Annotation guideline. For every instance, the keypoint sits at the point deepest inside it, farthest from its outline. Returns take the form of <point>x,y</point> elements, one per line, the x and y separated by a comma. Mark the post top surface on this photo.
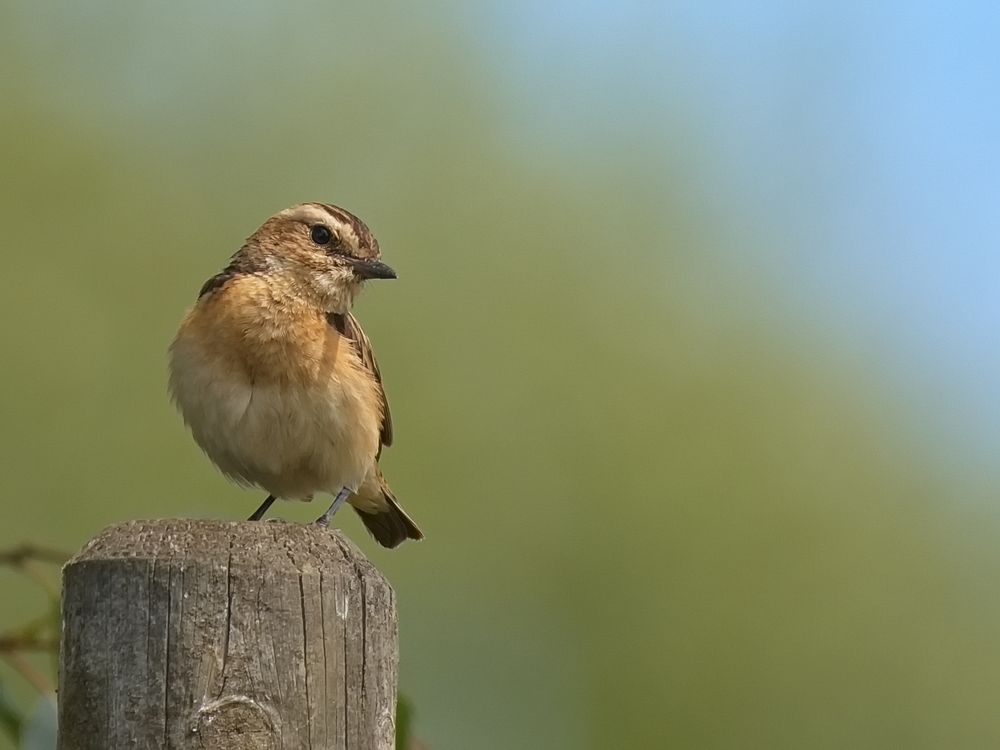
<point>281,545</point>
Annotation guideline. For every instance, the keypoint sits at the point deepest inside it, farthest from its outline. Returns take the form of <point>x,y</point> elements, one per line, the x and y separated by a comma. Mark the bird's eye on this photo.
<point>321,235</point>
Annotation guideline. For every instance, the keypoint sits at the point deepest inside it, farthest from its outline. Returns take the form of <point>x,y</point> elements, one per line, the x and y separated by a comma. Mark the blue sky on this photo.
<point>863,138</point>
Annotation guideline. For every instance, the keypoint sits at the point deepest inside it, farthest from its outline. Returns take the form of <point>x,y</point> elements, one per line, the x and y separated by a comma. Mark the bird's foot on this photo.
<point>324,520</point>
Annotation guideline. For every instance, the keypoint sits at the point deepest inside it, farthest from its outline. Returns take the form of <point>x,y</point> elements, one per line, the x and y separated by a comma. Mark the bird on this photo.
<point>275,377</point>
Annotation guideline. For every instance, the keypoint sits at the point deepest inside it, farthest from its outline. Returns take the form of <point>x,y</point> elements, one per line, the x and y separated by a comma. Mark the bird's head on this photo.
<point>324,252</point>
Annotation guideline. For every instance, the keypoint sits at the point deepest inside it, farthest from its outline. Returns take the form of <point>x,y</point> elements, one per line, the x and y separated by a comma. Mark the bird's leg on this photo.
<point>259,513</point>
<point>324,520</point>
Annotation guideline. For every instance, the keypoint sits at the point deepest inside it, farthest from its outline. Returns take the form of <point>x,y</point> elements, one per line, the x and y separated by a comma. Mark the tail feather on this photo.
<point>390,526</point>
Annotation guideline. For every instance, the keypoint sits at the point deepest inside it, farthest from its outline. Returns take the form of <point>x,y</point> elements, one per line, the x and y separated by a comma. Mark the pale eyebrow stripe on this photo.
<point>361,230</point>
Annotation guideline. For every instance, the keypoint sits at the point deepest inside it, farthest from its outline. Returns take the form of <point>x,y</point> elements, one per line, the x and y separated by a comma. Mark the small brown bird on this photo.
<point>276,378</point>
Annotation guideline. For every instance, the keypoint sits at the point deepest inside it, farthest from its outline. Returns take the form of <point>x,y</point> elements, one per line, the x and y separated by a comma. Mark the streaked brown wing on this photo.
<point>349,326</point>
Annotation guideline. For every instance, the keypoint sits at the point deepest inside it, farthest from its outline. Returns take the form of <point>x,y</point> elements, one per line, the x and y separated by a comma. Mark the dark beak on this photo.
<point>372,269</point>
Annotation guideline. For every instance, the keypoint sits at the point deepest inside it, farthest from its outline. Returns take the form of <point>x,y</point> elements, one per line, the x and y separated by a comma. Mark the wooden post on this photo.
<point>214,635</point>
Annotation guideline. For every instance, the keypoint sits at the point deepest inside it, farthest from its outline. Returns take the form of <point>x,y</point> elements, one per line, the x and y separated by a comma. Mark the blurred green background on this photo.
<point>674,495</point>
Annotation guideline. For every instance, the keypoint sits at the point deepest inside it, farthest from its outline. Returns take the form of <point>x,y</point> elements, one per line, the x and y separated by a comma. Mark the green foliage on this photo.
<point>404,722</point>
<point>35,728</point>
<point>32,730</point>
<point>10,714</point>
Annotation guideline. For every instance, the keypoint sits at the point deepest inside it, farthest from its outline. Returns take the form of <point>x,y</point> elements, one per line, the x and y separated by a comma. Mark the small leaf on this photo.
<point>404,722</point>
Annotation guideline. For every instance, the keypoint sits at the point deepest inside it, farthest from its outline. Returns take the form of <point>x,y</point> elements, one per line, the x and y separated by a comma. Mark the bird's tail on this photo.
<point>390,525</point>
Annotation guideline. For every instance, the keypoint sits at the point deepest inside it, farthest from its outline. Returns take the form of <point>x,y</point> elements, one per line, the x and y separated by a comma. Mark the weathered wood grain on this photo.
<point>212,635</point>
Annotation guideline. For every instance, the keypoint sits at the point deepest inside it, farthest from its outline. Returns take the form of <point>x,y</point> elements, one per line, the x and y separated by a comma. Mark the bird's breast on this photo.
<point>281,403</point>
